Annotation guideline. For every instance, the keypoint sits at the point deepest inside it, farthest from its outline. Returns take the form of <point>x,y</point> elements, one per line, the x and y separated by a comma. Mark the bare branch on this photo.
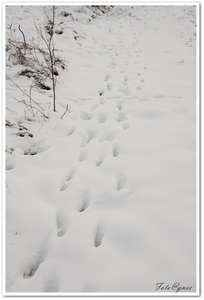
<point>64,112</point>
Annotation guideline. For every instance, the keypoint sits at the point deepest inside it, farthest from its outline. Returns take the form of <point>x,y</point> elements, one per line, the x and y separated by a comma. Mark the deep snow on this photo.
<point>107,200</point>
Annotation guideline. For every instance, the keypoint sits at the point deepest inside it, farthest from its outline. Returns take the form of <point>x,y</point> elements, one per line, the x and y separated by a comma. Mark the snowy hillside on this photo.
<point>101,194</point>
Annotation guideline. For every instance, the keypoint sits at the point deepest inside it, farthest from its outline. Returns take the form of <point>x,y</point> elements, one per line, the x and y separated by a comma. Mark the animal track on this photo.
<point>126,126</point>
<point>120,117</point>
<point>101,92</point>
<point>86,116</point>
<point>84,201</point>
<point>62,223</point>
<point>30,271</point>
<point>102,117</point>
<point>51,282</point>
<point>9,165</point>
<point>121,181</point>
<point>119,106</point>
<point>87,138</point>
<point>108,75</point>
<point>142,80</point>
<point>139,88</point>
<point>64,186</point>
<point>109,86</point>
<point>126,91</point>
<point>82,155</point>
<point>125,80</point>
<point>70,131</point>
<point>98,236</point>
<point>112,65</point>
<point>70,175</point>
<point>107,136</point>
<point>116,150</point>
<point>99,161</point>
<point>102,101</point>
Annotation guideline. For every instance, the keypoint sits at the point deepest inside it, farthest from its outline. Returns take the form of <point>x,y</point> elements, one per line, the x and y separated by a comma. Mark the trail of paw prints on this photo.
<point>121,115</point>
<point>141,79</point>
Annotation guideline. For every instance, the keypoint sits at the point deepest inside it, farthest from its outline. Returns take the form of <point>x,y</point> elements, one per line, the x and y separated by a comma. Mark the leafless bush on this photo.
<point>42,62</point>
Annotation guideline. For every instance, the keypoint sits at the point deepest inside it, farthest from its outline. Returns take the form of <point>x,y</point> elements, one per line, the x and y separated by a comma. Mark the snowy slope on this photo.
<point>107,200</point>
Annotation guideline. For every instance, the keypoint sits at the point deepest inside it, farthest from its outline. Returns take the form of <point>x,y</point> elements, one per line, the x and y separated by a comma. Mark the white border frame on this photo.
<point>198,152</point>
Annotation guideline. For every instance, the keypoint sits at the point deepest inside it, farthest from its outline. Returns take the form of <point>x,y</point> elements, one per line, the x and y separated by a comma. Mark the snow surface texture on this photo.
<point>104,199</point>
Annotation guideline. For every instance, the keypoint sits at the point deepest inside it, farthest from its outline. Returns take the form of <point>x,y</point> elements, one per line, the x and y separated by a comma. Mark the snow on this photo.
<point>103,200</point>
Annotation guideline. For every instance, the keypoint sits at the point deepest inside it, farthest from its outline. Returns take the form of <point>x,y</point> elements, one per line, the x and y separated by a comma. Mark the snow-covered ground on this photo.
<point>103,200</point>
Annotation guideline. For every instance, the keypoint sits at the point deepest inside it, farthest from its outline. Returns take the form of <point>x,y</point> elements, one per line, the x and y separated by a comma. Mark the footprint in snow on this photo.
<point>64,186</point>
<point>51,282</point>
<point>102,101</point>
<point>100,161</point>
<point>109,86</point>
<point>62,223</point>
<point>120,117</point>
<point>9,165</point>
<point>70,131</point>
<point>126,91</point>
<point>84,201</point>
<point>70,174</point>
<point>94,107</point>
<point>116,150</point>
<point>108,75</point>
<point>112,65</point>
<point>142,80</point>
<point>120,182</point>
<point>68,177</point>
<point>82,155</point>
<point>139,88</point>
<point>102,117</point>
<point>90,135</point>
<point>101,92</point>
<point>107,136</point>
<point>119,106</point>
<point>98,236</point>
<point>86,116</point>
<point>31,269</point>
<point>126,126</point>
<point>125,78</point>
